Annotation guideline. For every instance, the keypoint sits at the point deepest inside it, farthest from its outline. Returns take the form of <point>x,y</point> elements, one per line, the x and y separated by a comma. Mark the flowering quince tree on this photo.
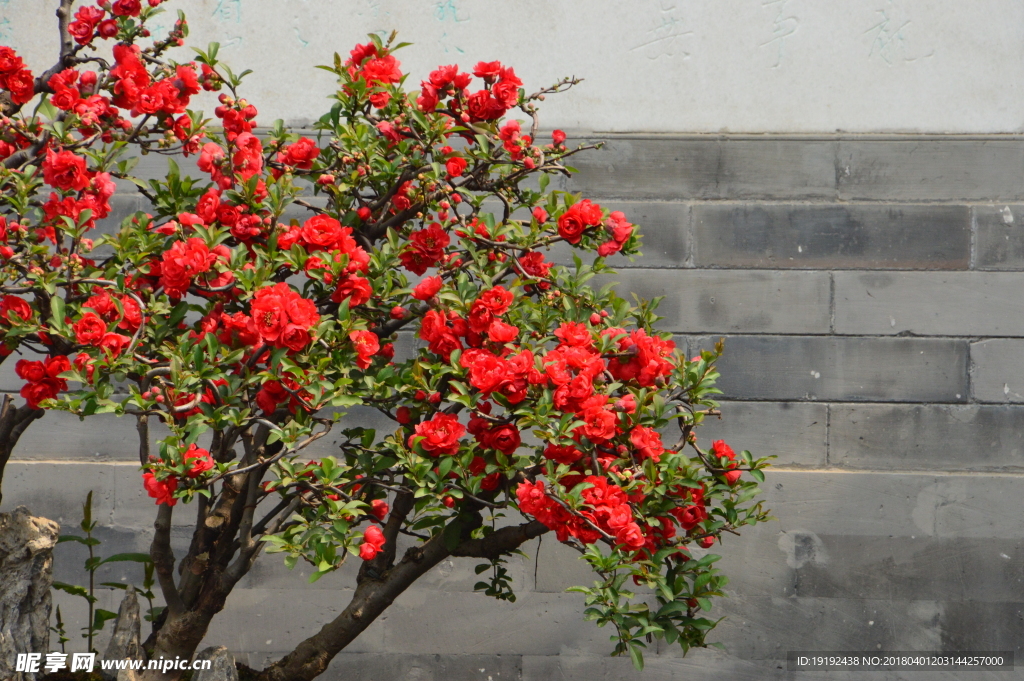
<point>530,403</point>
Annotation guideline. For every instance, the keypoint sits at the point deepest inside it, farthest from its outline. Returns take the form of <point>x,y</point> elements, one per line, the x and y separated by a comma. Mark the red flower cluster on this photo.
<point>43,378</point>
<point>606,509</point>
<point>500,93</point>
<point>647,360</point>
<point>726,459</point>
<point>283,318</point>
<point>91,329</point>
<point>299,155</point>
<point>121,309</point>
<point>273,393</point>
<point>135,90</point>
<point>425,248</point>
<point>21,309</point>
<point>366,344</point>
<point>14,77</point>
<point>366,64</point>
<point>198,461</point>
<point>373,543</point>
<point>186,260</point>
<point>438,436</point>
<point>619,231</point>
<point>161,490</point>
<point>579,216</point>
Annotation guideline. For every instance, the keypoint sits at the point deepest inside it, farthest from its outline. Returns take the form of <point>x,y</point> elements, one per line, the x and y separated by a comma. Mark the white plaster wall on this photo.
<point>798,66</point>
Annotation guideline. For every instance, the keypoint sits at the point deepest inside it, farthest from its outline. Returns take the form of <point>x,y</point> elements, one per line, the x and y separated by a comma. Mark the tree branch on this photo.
<point>500,542</point>
<point>163,560</point>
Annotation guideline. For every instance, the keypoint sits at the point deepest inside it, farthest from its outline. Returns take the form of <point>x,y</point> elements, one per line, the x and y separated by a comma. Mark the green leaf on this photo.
<point>126,557</point>
<point>100,618</point>
<point>74,590</point>
<point>637,656</point>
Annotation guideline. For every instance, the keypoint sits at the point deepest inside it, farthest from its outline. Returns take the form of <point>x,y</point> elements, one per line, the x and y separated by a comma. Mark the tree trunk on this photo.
<point>13,422</point>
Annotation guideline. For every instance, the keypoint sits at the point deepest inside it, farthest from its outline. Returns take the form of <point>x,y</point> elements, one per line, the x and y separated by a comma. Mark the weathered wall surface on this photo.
<point>650,65</point>
<point>868,287</point>
<point>868,290</point>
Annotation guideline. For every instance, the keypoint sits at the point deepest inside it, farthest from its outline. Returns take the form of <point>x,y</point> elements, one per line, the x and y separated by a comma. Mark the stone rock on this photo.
<point>222,669</point>
<point>126,641</point>
<point>26,575</point>
<point>127,675</point>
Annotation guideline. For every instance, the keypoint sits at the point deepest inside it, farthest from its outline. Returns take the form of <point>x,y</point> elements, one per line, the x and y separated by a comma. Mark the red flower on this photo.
<point>89,330</point>
<point>198,460</point>
<point>487,70</point>
<point>353,287</point>
<point>690,516</point>
<point>9,60</point>
<point>367,345</point>
<point>455,166</point>
<point>427,289</point>
<point>599,424</point>
<point>557,136</point>
<point>504,438</point>
<point>161,490</point>
<point>379,509</point>
<point>578,218</point>
<point>440,435</point>
<point>32,371</point>
<point>566,454</point>
<point>21,309</point>
<point>647,442</point>
<point>126,8</point>
<point>373,543</point>
<point>322,232</point>
<point>274,308</point>
<point>574,334</point>
<point>722,450</point>
<point>496,300</point>
<point>113,344</point>
<point>500,332</point>
<point>300,154</point>
<point>65,170</point>
<point>295,337</point>
<point>425,248</point>
<point>20,84</point>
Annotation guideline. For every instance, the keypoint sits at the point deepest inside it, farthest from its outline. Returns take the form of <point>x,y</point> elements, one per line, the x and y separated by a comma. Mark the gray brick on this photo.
<point>922,568</point>
<point>542,623</point>
<point>929,303</point>
<point>792,431</point>
<point>59,435</point>
<point>842,369</point>
<point>997,370</point>
<point>984,626</point>
<point>733,301</point>
<point>926,437</point>
<point>895,504</point>
<point>711,665</point>
<point>682,168</point>
<point>937,169</point>
<point>999,237</point>
<point>664,227</point>
<point>558,567</point>
<point>271,622</point>
<point>391,667</point>
<point>831,236</point>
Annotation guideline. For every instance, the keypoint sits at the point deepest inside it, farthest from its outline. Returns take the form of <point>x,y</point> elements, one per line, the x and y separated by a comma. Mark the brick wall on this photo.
<point>869,292</point>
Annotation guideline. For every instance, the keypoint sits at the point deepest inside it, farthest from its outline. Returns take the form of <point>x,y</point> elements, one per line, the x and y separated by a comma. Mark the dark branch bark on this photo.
<point>13,423</point>
<point>500,542</point>
<point>163,560</point>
